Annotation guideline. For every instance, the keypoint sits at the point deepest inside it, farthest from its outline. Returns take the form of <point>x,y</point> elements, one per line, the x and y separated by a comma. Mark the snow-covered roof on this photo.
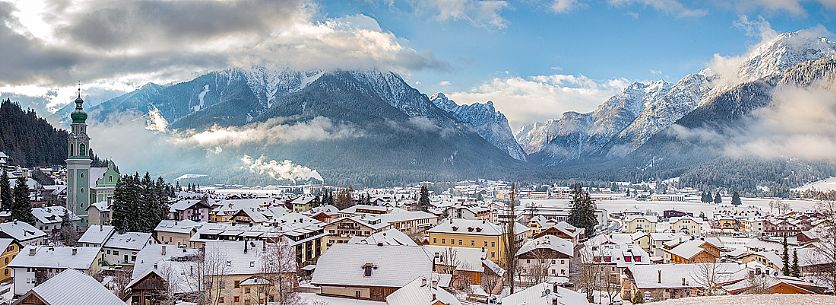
<point>546,294</point>
<point>187,204</point>
<point>51,215</point>
<point>102,206</point>
<point>390,266</point>
<point>56,257</point>
<point>250,262</point>
<point>21,231</point>
<point>473,226</point>
<point>96,234</point>
<point>672,275</point>
<point>72,287</point>
<point>548,242</point>
<point>177,226</point>
<point>467,259</point>
<point>650,218</point>
<point>128,240</point>
<point>391,237</point>
<point>420,292</point>
<point>153,254</point>
<point>689,248</point>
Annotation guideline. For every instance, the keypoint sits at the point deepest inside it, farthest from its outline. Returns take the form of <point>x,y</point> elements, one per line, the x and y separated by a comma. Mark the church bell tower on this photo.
<point>78,163</point>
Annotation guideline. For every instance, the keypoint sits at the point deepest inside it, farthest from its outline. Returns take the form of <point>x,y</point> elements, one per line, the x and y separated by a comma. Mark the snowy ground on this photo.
<point>749,299</point>
<point>828,184</point>
<point>619,205</point>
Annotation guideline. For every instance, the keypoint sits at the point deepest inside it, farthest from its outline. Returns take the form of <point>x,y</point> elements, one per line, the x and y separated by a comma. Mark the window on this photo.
<point>252,264</point>
<point>460,242</point>
<point>237,299</point>
<point>493,254</point>
<point>357,294</point>
<point>237,284</point>
<point>115,252</point>
<point>434,241</point>
<point>493,244</point>
<point>220,299</point>
<point>247,290</point>
<point>443,241</point>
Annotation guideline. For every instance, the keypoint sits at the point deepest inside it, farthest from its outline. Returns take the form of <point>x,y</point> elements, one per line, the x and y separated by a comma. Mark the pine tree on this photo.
<point>796,270</point>
<point>69,233</point>
<point>582,212</point>
<point>735,199</point>
<point>786,258</point>
<point>5,192</point>
<point>424,199</point>
<point>637,298</point>
<point>718,199</point>
<point>22,207</point>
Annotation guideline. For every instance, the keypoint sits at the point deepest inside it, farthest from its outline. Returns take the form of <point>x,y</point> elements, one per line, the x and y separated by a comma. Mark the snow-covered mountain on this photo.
<point>627,120</point>
<point>489,123</point>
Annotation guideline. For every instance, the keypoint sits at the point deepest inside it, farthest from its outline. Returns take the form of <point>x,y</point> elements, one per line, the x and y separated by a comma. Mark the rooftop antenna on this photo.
<point>79,89</point>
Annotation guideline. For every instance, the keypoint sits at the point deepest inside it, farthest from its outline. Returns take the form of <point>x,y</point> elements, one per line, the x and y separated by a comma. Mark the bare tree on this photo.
<point>489,282</point>
<point>538,266</point>
<point>279,269</point>
<point>824,259</point>
<point>606,282</point>
<point>510,238</point>
<point>208,279</point>
<point>588,273</point>
<point>449,260</point>
<point>757,283</point>
<point>708,276</point>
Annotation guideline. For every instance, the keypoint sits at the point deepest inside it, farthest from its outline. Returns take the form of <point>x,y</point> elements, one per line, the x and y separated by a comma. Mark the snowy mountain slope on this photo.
<point>489,123</point>
<point>627,120</point>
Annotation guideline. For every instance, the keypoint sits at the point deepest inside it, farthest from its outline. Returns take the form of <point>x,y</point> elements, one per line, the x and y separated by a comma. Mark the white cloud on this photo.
<point>792,7</point>
<point>562,6</point>
<point>284,170</point>
<point>486,14</point>
<point>800,124</point>
<point>52,44</point>
<point>445,83</point>
<point>537,98</point>
<point>673,7</point>
<point>273,131</point>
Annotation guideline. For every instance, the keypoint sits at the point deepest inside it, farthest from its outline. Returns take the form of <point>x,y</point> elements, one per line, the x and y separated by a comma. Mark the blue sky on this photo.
<point>595,39</point>
<point>534,58</point>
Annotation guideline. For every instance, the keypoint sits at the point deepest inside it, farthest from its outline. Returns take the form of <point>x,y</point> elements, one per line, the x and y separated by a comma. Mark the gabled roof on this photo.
<point>72,287</point>
<point>51,215</point>
<point>187,204</point>
<point>548,242</point>
<point>546,294</point>
<point>390,266</point>
<point>237,262</point>
<point>55,257</point>
<point>391,237</point>
<point>420,292</point>
<point>128,240</point>
<point>177,226</point>
<point>672,275</point>
<point>473,226</point>
<point>97,234</point>
<point>21,231</point>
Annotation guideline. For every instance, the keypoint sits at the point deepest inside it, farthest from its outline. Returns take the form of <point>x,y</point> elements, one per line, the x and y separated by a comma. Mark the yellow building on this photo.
<point>643,223</point>
<point>687,225</point>
<point>471,233</point>
<point>10,249</point>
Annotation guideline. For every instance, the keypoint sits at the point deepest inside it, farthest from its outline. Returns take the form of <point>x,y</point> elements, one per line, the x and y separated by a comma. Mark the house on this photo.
<point>703,250</point>
<point>480,234</point>
<point>48,219</point>
<point>37,264</point>
<point>70,287</point>
<point>176,232</point>
<point>644,223</point>
<point>238,269</point>
<point>658,240</point>
<point>546,294</point>
<point>777,285</point>
<point>23,233</point>
<point>391,237</point>
<point>465,266</point>
<point>421,291</point>
<point>369,272</point>
<point>686,225</point>
<point>547,255</point>
<point>194,210</point>
<point>99,213</point>
<point>96,235</point>
<point>302,203</point>
<point>563,230</point>
<point>162,271</point>
<point>10,249</point>
<point>344,229</point>
<point>672,281</point>
<point>122,248</point>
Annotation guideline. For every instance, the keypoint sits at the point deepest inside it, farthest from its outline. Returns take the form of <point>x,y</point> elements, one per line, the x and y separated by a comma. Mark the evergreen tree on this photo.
<point>21,206</point>
<point>5,192</point>
<point>582,213</point>
<point>424,199</point>
<point>637,298</point>
<point>735,199</point>
<point>796,270</point>
<point>786,258</point>
<point>69,233</point>
<point>718,199</point>
<point>121,211</point>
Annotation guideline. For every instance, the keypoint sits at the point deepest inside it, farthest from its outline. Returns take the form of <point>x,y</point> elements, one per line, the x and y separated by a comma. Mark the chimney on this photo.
<point>75,251</point>
<point>101,228</point>
<point>32,251</point>
<point>423,282</point>
<point>263,246</point>
<point>245,247</point>
<point>162,250</point>
<point>659,276</point>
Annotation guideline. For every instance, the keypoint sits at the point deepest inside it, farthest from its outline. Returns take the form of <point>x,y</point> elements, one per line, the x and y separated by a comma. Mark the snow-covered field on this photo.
<point>618,205</point>
<point>751,299</point>
<point>828,184</point>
